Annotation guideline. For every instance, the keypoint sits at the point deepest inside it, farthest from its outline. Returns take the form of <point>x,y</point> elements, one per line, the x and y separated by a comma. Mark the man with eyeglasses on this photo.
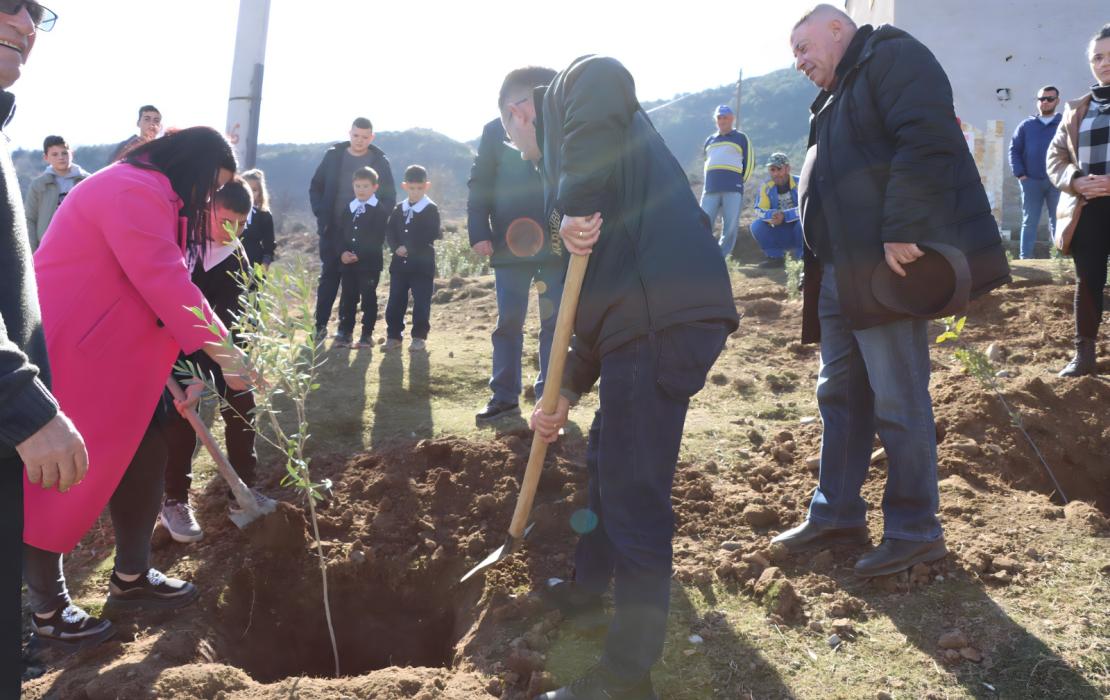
<point>33,432</point>
<point>654,312</point>
<point>1028,149</point>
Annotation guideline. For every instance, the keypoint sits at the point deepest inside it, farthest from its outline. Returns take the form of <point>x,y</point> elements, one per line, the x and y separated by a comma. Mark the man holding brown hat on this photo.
<point>898,229</point>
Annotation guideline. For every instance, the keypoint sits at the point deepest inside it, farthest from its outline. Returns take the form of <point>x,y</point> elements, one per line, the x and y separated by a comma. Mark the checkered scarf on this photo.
<point>1094,134</point>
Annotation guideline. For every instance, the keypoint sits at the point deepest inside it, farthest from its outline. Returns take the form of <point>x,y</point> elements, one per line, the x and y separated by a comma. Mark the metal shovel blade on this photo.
<point>503,552</point>
<point>244,517</point>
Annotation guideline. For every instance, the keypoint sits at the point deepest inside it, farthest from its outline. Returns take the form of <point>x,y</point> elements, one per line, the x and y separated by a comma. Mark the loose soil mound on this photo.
<point>400,530</point>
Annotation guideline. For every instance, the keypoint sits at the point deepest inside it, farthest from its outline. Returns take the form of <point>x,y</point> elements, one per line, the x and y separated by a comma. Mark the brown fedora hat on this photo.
<point>937,284</point>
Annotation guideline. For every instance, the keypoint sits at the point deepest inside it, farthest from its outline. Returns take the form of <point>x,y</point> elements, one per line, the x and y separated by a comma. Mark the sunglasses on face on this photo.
<point>1046,99</point>
<point>42,17</point>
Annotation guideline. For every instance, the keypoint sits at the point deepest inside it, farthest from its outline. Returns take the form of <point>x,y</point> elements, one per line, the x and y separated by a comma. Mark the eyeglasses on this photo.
<point>1046,99</point>
<point>42,17</point>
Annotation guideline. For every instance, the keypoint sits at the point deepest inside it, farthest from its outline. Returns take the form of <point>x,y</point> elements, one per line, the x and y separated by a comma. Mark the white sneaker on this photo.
<point>180,521</point>
<point>418,345</point>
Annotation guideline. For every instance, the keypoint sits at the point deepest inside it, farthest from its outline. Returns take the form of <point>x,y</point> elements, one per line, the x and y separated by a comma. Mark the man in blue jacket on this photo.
<point>1028,149</point>
<point>655,309</point>
<point>504,215</point>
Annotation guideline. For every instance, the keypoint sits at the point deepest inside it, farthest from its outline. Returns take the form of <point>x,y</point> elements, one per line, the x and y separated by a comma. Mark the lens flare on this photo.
<point>524,237</point>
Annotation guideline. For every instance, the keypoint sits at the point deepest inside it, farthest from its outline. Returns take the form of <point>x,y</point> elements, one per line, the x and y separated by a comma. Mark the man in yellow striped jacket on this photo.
<point>777,228</point>
<point>729,160</point>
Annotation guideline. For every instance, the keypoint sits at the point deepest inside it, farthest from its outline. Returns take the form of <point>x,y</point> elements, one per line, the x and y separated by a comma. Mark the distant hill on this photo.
<point>774,115</point>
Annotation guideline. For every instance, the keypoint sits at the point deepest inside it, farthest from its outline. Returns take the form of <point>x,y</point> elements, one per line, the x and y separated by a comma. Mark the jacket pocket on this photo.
<point>686,354</point>
<point>94,339</point>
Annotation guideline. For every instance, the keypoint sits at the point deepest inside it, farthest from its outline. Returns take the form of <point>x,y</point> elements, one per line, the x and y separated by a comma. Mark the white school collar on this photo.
<point>418,207</point>
<point>355,203</point>
<point>216,254</point>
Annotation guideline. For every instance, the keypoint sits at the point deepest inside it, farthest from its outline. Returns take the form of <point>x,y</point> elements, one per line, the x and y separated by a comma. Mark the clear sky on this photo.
<point>435,63</point>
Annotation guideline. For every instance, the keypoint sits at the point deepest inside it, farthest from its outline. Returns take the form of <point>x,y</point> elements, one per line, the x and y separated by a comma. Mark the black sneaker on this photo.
<point>599,684</point>
<point>366,340</point>
<point>582,610</point>
<point>497,409</point>
<point>154,591</point>
<point>71,628</point>
<point>343,339</point>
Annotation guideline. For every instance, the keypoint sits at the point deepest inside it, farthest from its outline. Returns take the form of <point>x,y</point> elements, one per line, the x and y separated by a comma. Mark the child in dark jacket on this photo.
<point>217,277</point>
<point>364,225</point>
<point>413,228</point>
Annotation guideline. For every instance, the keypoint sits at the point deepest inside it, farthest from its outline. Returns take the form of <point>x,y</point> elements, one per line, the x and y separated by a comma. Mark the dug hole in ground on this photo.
<point>1019,609</point>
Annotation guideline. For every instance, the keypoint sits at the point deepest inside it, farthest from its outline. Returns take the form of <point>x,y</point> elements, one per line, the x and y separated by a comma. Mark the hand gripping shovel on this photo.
<point>564,326</point>
<point>252,505</point>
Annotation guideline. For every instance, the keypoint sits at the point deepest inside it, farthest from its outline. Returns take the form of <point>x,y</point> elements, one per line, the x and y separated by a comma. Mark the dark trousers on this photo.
<point>645,389</point>
<point>181,442</point>
<point>11,575</point>
<point>327,288</point>
<point>134,507</point>
<point>360,283</point>
<point>1090,247</point>
<point>405,276</point>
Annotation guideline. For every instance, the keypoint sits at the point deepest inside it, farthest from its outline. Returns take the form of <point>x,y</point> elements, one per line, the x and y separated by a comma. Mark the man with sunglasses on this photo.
<point>33,432</point>
<point>1027,159</point>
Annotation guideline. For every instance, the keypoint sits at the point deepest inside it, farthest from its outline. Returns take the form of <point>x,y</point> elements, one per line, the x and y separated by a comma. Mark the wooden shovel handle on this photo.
<point>222,464</point>
<point>553,382</point>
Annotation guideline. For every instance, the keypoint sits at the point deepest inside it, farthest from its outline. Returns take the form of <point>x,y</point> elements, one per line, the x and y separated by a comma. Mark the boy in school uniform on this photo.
<point>216,276</point>
<point>413,228</point>
<point>363,229</point>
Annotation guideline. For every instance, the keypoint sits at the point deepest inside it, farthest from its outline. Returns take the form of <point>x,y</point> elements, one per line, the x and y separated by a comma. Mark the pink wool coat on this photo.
<point>115,293</point>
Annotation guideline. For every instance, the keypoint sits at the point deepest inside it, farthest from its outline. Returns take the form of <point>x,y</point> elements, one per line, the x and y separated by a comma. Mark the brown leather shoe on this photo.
<point>892,556</point>
<point>809,535</point>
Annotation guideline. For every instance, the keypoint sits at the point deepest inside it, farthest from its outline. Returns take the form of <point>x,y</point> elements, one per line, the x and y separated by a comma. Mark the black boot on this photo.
<point>1084,361</point>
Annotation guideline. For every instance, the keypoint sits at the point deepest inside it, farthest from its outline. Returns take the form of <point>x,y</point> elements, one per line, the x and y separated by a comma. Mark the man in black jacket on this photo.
<point>504,219</point>
<point>655,311</point>
<point>329,194</point>
<point>33,433</point>
<point>887,168</point>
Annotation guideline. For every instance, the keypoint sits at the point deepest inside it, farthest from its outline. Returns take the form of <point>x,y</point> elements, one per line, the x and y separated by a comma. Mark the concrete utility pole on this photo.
<point>739,84</point>
<point>245,102</point>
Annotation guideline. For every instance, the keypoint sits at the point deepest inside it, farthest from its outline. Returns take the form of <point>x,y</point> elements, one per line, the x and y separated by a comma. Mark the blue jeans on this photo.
<point>875,379</point>
<point>512,283</point>
<point>646,385</point>
<point>728,204</point>
<point>776,241</point>
<point>1035,194</point>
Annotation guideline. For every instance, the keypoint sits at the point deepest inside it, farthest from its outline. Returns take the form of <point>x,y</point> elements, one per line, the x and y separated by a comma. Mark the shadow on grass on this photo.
<point>724,665</point>
<point>1017,664</point>
<point>402,413</point>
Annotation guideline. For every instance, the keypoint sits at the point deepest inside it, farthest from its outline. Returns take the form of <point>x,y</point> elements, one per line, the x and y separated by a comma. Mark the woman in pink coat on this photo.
<point>115,296</point>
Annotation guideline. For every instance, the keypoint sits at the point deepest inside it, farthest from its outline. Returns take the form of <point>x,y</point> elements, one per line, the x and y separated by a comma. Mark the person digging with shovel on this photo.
<point>655,309</point>
<point>115,296</point>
